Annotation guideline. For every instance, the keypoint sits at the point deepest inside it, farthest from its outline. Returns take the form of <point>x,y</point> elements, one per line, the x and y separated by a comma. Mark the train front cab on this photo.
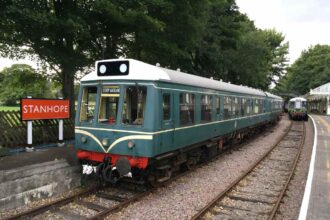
<point>298,109</point>
<point>114,125</point>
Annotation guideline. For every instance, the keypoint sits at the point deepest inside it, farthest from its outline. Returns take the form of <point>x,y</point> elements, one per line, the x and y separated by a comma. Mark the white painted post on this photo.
<point>29,148</point>
<point>60,132</point>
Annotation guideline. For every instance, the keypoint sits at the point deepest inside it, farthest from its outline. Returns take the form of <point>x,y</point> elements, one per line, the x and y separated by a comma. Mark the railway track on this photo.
<point>80,206</point>
<point>257,193</point>
<point>92,203</point>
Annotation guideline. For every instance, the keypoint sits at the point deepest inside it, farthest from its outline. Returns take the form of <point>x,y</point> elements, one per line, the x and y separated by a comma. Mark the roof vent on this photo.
<point>211,77</point>
<point>229,82</point>
<point>178,69</point>
<point>158,64</point>
<point>220,80</point>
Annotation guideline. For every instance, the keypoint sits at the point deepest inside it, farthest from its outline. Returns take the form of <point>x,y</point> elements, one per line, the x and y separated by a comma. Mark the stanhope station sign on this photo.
<point>39,109</point>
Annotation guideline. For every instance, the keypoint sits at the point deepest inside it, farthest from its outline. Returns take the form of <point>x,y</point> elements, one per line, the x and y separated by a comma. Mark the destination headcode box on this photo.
<point>38,109</point>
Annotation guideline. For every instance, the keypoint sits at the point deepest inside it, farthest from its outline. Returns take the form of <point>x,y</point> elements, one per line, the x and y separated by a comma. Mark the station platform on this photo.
<point>316,201</point>
<point>30,176</point>
<point>66,152</point>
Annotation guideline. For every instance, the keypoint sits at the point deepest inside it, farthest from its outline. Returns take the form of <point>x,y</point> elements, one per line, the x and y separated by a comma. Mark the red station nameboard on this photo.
<point>37,109</point>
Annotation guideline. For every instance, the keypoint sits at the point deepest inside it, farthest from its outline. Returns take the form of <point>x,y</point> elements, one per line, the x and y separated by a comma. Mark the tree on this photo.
<point>69,35</point>
<point>310,70</point>
<point>21,80</point>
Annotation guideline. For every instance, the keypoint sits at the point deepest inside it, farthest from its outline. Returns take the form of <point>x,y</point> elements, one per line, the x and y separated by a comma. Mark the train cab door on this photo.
<point>167,115</point>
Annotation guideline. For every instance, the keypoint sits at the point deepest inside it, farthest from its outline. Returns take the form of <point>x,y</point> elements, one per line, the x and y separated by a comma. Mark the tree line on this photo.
<point>211,38</point>
<point>309,71</point>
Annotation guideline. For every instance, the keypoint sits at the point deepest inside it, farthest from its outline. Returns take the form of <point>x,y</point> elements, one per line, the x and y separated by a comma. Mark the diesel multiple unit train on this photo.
<point>144,122</point>
<point>297,109</point>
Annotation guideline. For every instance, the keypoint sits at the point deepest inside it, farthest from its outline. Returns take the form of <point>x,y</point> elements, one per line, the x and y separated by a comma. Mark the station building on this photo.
<point>318,100</point>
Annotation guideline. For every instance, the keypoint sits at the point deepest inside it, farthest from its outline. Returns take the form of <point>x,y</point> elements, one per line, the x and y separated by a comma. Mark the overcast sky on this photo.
<point>303,22</point>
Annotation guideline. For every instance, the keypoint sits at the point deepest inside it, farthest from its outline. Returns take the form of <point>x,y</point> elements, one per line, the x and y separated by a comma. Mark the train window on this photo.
<point>248,107</point>
<point>227,107</point>
<point>187,109</point>
<point>88,103</point>
<point>217,105</point>
<point>166,106</point>
<point>206,108</point>
<point>256,106</point>
<point>235,107</point>
<point>108,109</point>
<point>134,105</point>
<point>243,107</point>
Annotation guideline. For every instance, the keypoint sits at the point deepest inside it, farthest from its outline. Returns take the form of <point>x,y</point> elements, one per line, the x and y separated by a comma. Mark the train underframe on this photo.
<point>112,168</point>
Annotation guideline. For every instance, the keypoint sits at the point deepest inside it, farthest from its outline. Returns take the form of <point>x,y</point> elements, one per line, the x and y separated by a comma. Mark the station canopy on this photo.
<point>321,91</point>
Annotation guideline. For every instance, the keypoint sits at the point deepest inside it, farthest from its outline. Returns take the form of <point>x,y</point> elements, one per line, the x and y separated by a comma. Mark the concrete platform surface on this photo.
<point>27,177</point>
<point>317,204</point>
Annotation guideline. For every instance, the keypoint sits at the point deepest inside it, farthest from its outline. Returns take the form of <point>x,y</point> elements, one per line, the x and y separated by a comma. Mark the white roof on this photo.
<point>297,99</point>
<point>142,71</point>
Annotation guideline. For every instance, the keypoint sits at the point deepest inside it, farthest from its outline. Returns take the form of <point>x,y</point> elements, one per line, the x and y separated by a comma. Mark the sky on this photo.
<point>302,22</point>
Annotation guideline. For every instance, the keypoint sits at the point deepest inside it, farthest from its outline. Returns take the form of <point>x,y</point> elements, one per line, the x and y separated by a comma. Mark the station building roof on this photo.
<point>142,71</point>
<point>319,92</point>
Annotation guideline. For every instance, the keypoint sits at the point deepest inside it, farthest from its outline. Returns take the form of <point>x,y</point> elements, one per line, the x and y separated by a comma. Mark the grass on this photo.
<point>9,108</point>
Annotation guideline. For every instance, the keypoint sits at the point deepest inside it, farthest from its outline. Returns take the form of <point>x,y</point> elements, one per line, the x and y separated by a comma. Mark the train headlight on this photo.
<point>105,142</point>
<point>123,68</point>
<point>102,69</point>
<point>130,144</point>
<point>83,139</point>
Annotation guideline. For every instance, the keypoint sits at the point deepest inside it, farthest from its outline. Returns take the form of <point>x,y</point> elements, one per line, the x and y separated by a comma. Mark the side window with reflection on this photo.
<point>217,105</point>
<point>134,105</point>
<point>166,107</point>
<point>187,109</point>
<point>227,107</point>
<point>206,108</point>
<point>88,102</point>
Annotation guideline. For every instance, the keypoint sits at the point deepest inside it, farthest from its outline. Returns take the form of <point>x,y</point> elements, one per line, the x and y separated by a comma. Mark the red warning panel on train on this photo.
<point>37,109</point>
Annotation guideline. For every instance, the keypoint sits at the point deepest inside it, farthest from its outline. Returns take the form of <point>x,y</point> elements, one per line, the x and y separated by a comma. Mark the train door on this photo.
<point>167,114</point>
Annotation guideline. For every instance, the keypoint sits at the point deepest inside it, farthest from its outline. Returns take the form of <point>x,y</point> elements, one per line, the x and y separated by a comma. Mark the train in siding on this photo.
<point>297,109</point>
<point>145,122</point>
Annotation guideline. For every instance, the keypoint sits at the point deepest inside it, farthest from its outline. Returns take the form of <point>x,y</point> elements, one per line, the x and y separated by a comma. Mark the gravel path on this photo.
<point>185,196</point>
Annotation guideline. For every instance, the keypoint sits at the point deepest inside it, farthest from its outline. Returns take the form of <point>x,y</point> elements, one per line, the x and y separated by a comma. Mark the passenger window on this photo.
<point>88,103</point>
<point>217,105</point>
<point>166,107</point>
<point>134,105</point>
<point>243,107</point>
<point>235,107</point>
<point>187,109</point>
<point>206,108</point>
<point>256,107</point>
<point>227,107</point>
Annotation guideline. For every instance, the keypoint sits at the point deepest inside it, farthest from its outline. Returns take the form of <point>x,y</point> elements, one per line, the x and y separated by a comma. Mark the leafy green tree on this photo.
<point>21,80</point>
<point>310,70</point>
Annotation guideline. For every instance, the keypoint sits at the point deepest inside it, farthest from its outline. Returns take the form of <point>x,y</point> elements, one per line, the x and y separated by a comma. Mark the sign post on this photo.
<point>40,109</point>
<point>29,134</point>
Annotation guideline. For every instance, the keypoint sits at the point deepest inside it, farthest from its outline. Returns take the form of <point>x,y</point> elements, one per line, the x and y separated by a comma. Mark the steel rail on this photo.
<point>212,203</point>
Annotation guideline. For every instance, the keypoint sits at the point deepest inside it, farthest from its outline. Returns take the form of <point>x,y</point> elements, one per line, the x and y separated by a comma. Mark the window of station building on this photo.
<point>166,107</point>
<point>88,102</point>
<point>134,105</point>
<point>206,108</point>
<point>109,104</point>
<point>227,107</point>
<point>187,109</point>
<point>217,105</point>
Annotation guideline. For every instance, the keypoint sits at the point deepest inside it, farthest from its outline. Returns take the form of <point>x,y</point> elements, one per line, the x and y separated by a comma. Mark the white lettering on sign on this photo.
<point>45,109</point>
